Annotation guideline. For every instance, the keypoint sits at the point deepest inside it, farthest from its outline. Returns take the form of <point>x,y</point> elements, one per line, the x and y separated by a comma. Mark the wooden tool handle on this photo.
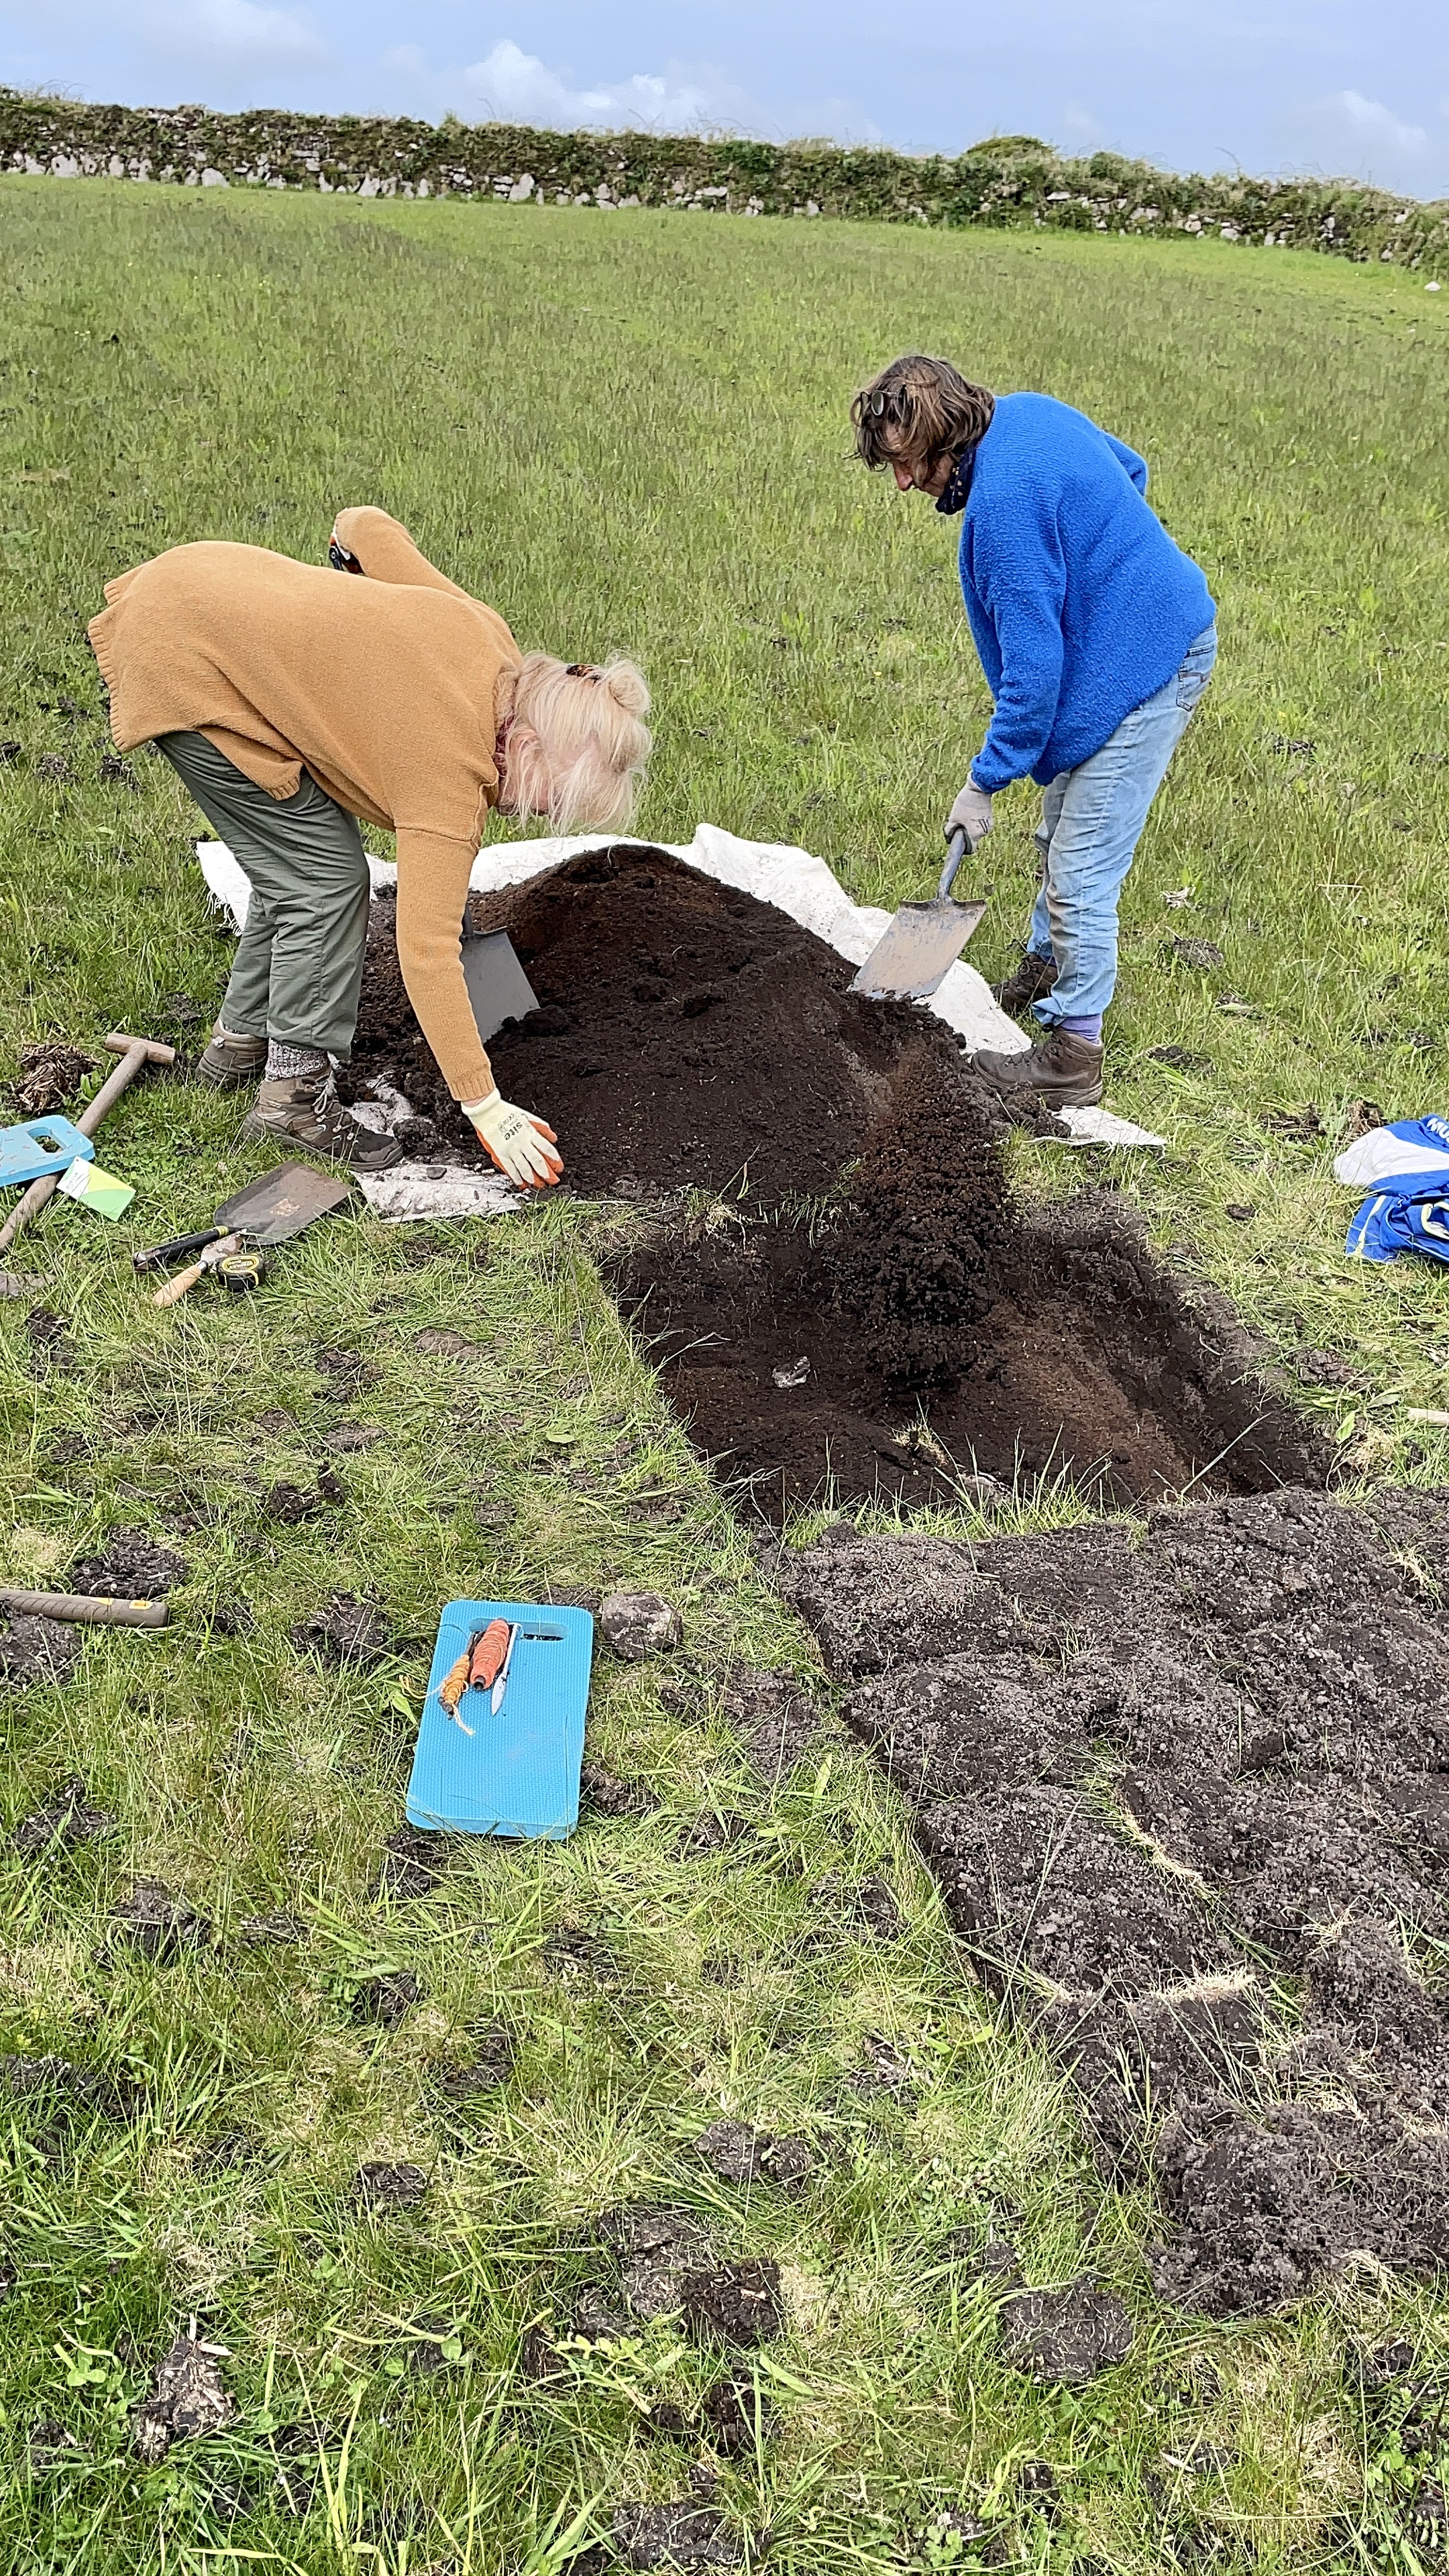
<point>83,1610</point>
<point>134,1052</point>
<point>178,1286</point>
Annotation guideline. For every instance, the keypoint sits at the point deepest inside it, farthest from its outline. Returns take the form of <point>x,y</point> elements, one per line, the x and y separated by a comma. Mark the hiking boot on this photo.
<point>1030,977</point>
<point>230,1059</point>
<point>305,1110</point>
<point>1063,1071</point>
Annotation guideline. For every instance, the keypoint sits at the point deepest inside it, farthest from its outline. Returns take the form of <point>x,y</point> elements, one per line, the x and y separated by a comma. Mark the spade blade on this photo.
<point>912,958</point>
<point>276,1207</point>
<point>498,988</point>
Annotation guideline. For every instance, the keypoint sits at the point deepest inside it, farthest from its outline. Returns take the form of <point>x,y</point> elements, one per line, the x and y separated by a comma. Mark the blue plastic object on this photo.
<point>41,1146</point>
<point>518,1772</point>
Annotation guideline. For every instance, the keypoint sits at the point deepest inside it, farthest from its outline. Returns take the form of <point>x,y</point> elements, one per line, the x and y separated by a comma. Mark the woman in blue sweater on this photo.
<point>1096,635</point>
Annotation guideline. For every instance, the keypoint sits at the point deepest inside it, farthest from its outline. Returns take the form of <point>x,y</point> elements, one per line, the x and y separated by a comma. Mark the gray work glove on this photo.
<point>970,814</point>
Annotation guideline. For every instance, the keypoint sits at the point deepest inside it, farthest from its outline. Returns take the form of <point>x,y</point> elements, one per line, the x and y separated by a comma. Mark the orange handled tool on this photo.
<point>487,1654</point>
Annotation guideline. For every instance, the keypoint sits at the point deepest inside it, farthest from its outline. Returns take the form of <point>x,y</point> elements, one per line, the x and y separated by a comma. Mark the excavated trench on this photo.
<point>866,1309</point>
<point>1184,1787</point>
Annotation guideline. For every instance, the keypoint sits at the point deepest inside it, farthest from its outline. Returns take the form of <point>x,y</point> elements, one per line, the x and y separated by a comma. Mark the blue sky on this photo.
<point>1352,87</point>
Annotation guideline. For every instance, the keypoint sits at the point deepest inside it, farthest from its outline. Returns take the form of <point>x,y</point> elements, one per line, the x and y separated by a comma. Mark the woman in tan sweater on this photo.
<point>292,703</point>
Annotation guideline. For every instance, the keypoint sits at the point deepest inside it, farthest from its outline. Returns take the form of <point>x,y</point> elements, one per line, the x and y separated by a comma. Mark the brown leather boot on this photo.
<point>1064,1072</point>
<point>230,1059</point>
<point>1030,977</point>
<point>305,1110</point>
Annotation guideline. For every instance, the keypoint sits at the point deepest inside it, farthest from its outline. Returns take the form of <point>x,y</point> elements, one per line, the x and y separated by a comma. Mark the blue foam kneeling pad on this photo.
<point>41,1146</point>
<point>518,1773</point>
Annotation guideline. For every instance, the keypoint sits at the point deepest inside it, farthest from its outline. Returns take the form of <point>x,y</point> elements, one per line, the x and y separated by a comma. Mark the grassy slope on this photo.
<point>630,432</point>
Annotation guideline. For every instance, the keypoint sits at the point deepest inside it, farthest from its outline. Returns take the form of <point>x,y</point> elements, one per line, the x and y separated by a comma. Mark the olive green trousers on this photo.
<point>298,969</point>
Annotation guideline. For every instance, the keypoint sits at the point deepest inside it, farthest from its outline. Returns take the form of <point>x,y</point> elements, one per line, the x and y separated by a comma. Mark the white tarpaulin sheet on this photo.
<point>803,887</point>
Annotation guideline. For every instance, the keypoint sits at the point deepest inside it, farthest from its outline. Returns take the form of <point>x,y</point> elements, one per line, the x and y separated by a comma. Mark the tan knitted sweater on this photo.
<point>387,690</point>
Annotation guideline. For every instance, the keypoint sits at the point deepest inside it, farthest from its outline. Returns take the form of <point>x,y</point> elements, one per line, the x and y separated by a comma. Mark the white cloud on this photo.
<point>1378,123</point>
<point>1355,137</point>
<point>233,34</point>
<point>518,89</point>
<point>408,60</point>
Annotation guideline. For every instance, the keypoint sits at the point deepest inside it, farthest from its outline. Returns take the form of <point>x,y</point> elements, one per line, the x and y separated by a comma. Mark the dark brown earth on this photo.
<point>930,1327</point>
<point>1186,1793</point>
<point>927,1326</point>
<point>687,1035</point>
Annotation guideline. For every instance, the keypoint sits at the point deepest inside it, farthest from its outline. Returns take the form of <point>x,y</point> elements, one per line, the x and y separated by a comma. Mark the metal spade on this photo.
<point>912,958</point>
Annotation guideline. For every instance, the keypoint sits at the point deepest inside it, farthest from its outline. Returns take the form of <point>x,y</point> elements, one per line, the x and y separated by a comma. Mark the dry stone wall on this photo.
<point>1010,181</point>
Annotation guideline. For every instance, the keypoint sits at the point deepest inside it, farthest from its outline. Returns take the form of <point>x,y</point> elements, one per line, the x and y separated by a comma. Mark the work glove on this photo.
<point>516,1141</point>
<point>970,814</point>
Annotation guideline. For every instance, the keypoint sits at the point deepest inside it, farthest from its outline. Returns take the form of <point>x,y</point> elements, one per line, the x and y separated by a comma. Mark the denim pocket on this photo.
<point>1196,668</point>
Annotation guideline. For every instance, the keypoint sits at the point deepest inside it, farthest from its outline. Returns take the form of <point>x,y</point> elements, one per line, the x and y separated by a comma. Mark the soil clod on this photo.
<point>52,1352</point>
<point>348,1631</point>
<point>55,2082</point>
<point>489,2067</point>
<point>386,1998</point>
<point>132,1568</point>
<point>640,1625</point>
<point>774,1720</point>
<point>411,1866</point>
<point>67,1818</point>
<point>884,2070</point>
<point>741,2154</point>
<point>682,2536</point>
<point>50,1076</point>
<point>188,2401</point>
<point>157,1923</point>
<point>1064,2337</point>
<point>385,2186</point>
<point>37,1650</point>
<point>608,1796</point>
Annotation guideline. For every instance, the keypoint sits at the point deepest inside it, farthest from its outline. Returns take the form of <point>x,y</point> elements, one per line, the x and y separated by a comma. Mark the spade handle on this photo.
<point>955,853</point>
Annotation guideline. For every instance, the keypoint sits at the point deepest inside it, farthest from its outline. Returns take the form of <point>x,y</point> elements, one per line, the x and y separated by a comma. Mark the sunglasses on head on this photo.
<point>584,671</point>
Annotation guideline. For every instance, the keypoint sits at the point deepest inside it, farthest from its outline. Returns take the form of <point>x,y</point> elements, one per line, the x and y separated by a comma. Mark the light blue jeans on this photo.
<point>1091,822</point>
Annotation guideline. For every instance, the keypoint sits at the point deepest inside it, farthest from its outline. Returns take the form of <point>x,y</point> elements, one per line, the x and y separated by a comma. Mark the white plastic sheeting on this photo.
<point>803,887</point>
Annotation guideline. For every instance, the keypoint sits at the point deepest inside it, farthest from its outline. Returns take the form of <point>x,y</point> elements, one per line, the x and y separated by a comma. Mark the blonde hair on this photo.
<point>578,743</point>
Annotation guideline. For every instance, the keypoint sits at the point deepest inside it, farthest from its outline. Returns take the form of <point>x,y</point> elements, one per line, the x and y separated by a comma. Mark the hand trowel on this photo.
<point>267,1211</point>
<point>911,959</point>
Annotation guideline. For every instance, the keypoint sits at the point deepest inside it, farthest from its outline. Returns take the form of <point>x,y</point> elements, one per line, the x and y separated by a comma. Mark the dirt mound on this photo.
<point>1131,1908</point>
<point>926,1229</point>
<point>686,1035</point>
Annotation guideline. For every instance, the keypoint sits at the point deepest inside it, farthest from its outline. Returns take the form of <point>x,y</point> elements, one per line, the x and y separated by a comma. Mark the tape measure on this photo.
<point>241,1271</point>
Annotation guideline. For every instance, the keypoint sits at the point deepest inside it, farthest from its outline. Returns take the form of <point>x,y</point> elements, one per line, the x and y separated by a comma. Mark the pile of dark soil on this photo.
<point>1186,1793</point>
<point>930,1328</point>
<point>686,1035</point>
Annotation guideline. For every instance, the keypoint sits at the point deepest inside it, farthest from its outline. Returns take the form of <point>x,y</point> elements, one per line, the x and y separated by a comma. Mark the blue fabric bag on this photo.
<point>1407,1209</point>
<point>1408,1215</point>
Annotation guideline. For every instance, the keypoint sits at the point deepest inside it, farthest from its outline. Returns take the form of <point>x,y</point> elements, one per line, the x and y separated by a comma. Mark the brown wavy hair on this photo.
<point>916,411</point>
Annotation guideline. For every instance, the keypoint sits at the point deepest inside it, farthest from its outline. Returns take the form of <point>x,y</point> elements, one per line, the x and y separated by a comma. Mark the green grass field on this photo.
<point>630,432</point>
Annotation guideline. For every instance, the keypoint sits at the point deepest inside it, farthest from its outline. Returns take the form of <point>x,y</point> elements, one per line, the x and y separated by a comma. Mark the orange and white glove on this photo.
<point>516,1141</point>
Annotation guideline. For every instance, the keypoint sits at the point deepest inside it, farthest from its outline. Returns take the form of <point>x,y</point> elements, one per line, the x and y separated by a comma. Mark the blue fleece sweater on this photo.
<point>1080,604</point>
